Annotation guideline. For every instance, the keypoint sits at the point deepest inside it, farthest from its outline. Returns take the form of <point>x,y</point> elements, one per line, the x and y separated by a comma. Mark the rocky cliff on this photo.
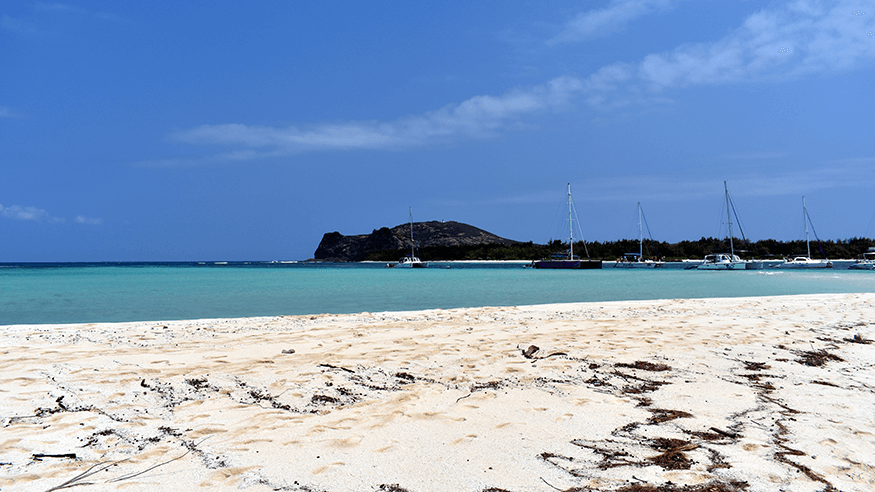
<point>337,247</point>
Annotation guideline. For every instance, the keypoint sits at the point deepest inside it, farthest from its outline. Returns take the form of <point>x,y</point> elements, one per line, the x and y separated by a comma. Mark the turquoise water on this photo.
<point>78,293</point>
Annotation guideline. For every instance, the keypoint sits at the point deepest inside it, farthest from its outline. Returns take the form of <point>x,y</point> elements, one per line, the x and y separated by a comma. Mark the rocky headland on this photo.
<point>337,247</point>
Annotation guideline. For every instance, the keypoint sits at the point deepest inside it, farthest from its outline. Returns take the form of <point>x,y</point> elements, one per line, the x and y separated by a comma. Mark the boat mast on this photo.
<point>570,227</point>
<point>412,243</point>
<point>640,236</point>
<point>805,219</point>
<point>729,217</point>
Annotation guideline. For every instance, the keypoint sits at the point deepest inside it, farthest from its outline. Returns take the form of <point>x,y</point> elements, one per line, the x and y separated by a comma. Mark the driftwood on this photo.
<point>99,467</point>
<point>40,456</point>
<point>530,352</point>
<point>77,480</point>
<point>336,367</point>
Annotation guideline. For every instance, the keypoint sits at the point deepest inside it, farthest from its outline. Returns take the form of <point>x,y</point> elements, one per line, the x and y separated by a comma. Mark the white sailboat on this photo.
<point>799,261</point>
<point>411,261</point>
<point>724,261</point>
<point>637,260</point>
<point>569,261</point>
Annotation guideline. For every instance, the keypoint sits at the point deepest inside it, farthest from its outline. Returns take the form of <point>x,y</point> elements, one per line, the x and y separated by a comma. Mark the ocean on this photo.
<point>106,292</point>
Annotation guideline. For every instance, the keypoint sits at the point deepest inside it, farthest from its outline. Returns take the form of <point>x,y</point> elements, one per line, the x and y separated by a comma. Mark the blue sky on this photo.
<point>244,131</point>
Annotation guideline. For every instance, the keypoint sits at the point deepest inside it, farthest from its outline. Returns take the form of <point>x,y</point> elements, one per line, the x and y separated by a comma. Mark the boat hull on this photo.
<point>409,262</point>
<point>805,263</point>
<point>568,264</point>
<point>412,265</point>
<point>735,265</point>
<point>639,264</point>
<point>723,261</point>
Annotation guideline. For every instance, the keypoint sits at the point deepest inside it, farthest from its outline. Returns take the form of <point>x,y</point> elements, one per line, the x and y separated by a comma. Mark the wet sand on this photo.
<point>750,394</point>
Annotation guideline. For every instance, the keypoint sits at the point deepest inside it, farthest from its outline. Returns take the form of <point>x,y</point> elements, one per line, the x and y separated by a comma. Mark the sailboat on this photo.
<point>411,261</point>
<point>722,260</point>
<point>799,261</point>
<point>637,260</point>
<point>569,261</point>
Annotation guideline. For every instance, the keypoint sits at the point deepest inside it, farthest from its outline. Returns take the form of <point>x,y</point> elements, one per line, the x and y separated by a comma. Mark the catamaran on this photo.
<point>722,260</point>
<point>569,261</point>
<point>637,260</point>
<point>411,261</point>
<point>799,261</point>
<point>866,261</point>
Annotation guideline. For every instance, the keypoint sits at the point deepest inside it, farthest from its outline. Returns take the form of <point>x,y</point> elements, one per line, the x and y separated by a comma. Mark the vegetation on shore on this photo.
<point>611,250</point>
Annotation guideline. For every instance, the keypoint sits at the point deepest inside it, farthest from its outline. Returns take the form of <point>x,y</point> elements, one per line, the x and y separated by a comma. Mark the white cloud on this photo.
<point>17,212</point>
<point>23,213</point>
<point>17,26</point>
<point>802,38</point>
<point>88,220</point>
<point>57,7</point>
<point>6,113</point>
<point>477,117</point>
<point>613,18</point>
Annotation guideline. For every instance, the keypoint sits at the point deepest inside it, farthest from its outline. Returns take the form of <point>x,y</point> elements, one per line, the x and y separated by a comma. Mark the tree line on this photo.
<point>611,250</point>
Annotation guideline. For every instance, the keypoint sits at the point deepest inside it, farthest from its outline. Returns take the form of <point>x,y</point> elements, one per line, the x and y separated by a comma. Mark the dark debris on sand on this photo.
<point>713,486</point>
<point>644,366</point>
<point>816,358</point>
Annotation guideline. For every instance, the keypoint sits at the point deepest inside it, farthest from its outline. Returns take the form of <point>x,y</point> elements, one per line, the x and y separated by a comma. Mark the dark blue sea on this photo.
<point>99,292</point>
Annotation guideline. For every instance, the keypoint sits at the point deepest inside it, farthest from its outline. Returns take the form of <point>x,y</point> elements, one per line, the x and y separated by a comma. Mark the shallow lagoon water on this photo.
<point>82,293</point>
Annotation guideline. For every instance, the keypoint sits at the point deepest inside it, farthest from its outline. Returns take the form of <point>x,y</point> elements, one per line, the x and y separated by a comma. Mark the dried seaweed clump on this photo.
<point>816,358</point>
<point>645,366</point>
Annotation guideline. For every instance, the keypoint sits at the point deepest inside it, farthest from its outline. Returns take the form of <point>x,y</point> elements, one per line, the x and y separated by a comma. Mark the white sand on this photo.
<point>446,400</point>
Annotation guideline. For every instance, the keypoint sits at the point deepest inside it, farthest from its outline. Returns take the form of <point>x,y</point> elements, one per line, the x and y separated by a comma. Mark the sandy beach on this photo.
<point>749,394</point>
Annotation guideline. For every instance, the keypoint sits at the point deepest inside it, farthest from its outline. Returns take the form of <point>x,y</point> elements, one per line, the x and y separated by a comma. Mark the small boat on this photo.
<point>800,261</point>
<point>866,261</point>
<point>637,260</point>
<point>410,261</point>
<point>803,262</point>
<point>569,261</point>
<point>723,260</point>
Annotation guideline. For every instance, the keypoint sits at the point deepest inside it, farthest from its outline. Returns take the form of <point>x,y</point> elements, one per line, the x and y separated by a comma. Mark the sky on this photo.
<point>220,130</point>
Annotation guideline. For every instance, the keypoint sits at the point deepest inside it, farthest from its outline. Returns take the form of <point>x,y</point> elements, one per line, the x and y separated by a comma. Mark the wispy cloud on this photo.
<point>80,219</point>
<point>17,212</point>
<point>33,25</point>
<point>58,7</point>
<point>7,113</point>
<point>757,156</point>
<point>615,17</point>
<point>65,9</point>
<point>35,214</point>
<point>18,26</point>
<point>844,174</point>
<point>479,116</point>
<point>802,38</point>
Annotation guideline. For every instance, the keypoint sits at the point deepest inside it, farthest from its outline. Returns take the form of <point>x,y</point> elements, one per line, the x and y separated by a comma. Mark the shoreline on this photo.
<point>772,392</point>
